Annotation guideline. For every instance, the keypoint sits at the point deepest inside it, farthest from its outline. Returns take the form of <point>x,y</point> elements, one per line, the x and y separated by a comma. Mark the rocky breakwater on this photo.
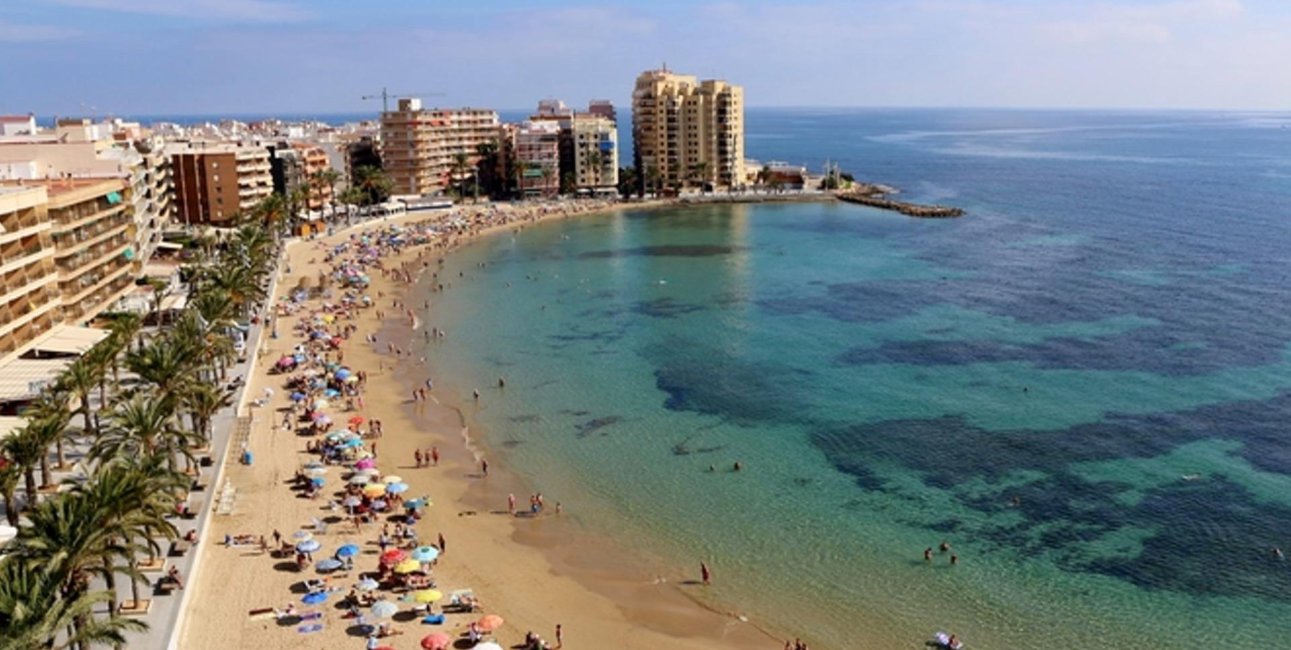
<point>876,196</point>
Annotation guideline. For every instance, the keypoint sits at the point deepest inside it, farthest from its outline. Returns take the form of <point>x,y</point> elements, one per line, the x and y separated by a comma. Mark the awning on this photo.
<point>9,424</point>
<point>69,339</point>
<point>23,379</point>
<point>170,246</point>
<point>175,301</point>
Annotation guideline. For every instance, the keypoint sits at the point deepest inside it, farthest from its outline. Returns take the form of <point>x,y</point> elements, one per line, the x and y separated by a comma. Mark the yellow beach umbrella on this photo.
<point>427,596</point>
<point>407,566</point>
<point>374,489</point>
<point>393,479</point>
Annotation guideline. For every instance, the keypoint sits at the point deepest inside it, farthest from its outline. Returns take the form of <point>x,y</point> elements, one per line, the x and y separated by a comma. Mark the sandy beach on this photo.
<point>535,572</point>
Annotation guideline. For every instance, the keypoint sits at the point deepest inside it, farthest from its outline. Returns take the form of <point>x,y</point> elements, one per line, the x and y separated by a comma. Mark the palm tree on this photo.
<point>136,495</point>
<point>373,182</point>
<point>34,612</point>
<point>700,171</point>
<point>164,363</point>
<point>70,538</point>
<point>461,162</point>
<point>10,477</point>
<point>547,174</point>
<point>80,379</point>
<point>595,160</point>
<point>47,420</point>
<point>655,179</point>
<point>203,401</point>
<point>26,451</point>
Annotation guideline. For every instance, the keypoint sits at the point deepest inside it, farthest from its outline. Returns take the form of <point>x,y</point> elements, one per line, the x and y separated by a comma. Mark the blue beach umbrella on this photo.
<point>342,374</point>
<point>308,546</point>
<point>425,554</point>
<point>397,488</point>
<point>348,550</point>
<point>298,396</point>
<point>329,565</point>
<point>317,481</point>
<point>384,609</point>
<point>331,392</point>
<point>302,535</point>
<point>367,584</point>
<point>314,598</point>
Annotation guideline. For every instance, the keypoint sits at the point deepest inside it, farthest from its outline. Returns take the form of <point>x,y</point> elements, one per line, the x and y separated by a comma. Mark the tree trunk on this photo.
<point>90,430</point>
<point>62,459</point>
<point>10,508</point>
<point>110,579</point>
<point>134,582</point>
<point>45,477</point>
<point>29,482</point>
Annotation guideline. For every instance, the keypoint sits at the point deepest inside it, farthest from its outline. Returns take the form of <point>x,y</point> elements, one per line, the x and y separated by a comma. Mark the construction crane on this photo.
<point>385,97</point>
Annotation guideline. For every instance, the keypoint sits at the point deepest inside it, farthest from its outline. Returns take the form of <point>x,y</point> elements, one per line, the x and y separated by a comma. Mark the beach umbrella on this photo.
<point>315,598</point>
<point>397,488</point>
<point>352,379</point>
<point>365,463</point>
<point>313,464</point>
<point>374,489</point>
<point>407,566</point>
<point>321,403</point>
<point>384,609</point>
<point>425,554</point>
<point>437,641</point>
<point>297,396</point>
<point>359,479</point>
<point>315,472</point>
<point>342,374</point>
<point>367,584</point>
<point>487,645</point>
<point>352,443</point>
<point>302,535</point>
<point>379,504</point>
<point>413,504</point>
<point>356,420</point>
<point>427,596</point>
<point>308,546</point>
<point>331,392</point>
<point>351,501</point>
<point>394,478</point>
<point>394,556</point>
<point>322,419</point>
<point>490,623</point>
<point>317,481</point>
<point>348,550</point>
<point>329,565</point>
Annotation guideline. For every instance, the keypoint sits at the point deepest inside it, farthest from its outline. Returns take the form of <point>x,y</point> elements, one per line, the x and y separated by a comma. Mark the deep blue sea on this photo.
<point>1083,386</point>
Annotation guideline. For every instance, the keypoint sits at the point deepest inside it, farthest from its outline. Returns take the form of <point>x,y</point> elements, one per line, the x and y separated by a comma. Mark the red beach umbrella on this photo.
<point>394,556</point>
<point>436,641</point>
<point>490,622</point>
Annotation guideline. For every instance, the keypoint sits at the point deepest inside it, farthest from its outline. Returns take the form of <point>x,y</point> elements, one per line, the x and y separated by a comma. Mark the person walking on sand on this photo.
<point>705,574</point>
<point>416,454</point>
<point>560,636</point>
<point>442,547</point>
<point>511,503</point>
<point>484,466</point>
<point>434,456</point>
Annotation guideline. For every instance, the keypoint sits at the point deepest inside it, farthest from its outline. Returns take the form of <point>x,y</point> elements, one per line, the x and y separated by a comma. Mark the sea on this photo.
<point>1082,387</point>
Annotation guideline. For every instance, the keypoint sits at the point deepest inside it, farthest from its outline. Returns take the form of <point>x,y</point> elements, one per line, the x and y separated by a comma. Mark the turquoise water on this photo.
<point>1083,386</point>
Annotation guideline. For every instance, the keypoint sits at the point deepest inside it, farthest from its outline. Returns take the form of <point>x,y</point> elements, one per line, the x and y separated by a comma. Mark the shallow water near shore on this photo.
<point>1082,386</point>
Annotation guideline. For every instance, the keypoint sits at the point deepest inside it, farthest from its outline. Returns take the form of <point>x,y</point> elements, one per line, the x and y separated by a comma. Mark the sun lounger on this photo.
<point>310,628</point>
<point>261,614</point>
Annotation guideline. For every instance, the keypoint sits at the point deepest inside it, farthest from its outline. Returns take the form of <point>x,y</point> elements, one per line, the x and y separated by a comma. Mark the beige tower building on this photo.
<point>419,146</point>
<point>686,132</point>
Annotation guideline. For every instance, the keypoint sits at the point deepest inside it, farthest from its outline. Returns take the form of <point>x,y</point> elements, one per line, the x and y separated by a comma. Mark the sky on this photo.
<point>184,57</point>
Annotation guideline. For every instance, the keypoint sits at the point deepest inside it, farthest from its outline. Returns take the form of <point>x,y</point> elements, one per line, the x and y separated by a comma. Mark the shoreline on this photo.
<point>516,569</point>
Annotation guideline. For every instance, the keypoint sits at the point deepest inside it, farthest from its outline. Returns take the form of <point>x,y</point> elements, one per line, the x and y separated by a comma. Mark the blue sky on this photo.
<point>286,56</point>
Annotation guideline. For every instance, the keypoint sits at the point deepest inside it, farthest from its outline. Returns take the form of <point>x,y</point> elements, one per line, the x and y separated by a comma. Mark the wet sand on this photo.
<point>534,572</point>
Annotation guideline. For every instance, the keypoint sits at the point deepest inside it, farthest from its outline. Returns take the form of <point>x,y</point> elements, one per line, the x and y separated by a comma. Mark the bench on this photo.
<point>165,585</point>
<point>179,547</point>
<point>194,507</point>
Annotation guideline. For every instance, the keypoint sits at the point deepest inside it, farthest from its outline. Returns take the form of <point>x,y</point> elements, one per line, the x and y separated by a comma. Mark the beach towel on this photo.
<point>433,619</point>
<point>309,629</point>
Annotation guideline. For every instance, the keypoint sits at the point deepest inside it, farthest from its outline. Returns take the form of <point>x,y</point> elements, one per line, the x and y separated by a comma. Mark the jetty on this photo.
<point>876,196</point>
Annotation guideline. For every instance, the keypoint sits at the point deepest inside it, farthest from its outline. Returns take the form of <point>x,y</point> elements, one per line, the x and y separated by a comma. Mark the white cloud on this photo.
<point>260,11</point>
<point>11,33</point>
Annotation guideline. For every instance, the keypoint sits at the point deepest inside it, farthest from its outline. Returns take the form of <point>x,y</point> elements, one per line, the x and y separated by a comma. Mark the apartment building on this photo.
<point>537,152</point>
<point>596,153</point>
<point>216,183</point>
<point>29,297</point>
<point>687,133</point>
<point>92,230</point>
<point>420,147</point>
<point>316,161</point>
<point>79,148</point>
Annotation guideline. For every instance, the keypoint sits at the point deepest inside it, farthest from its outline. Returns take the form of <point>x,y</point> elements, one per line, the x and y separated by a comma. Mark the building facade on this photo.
<point>215,184</point>
<point>596,153</point>
<point>29,297</point>
<point>687,133</point>
<point>421,147</point>
<point>537,152</point>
